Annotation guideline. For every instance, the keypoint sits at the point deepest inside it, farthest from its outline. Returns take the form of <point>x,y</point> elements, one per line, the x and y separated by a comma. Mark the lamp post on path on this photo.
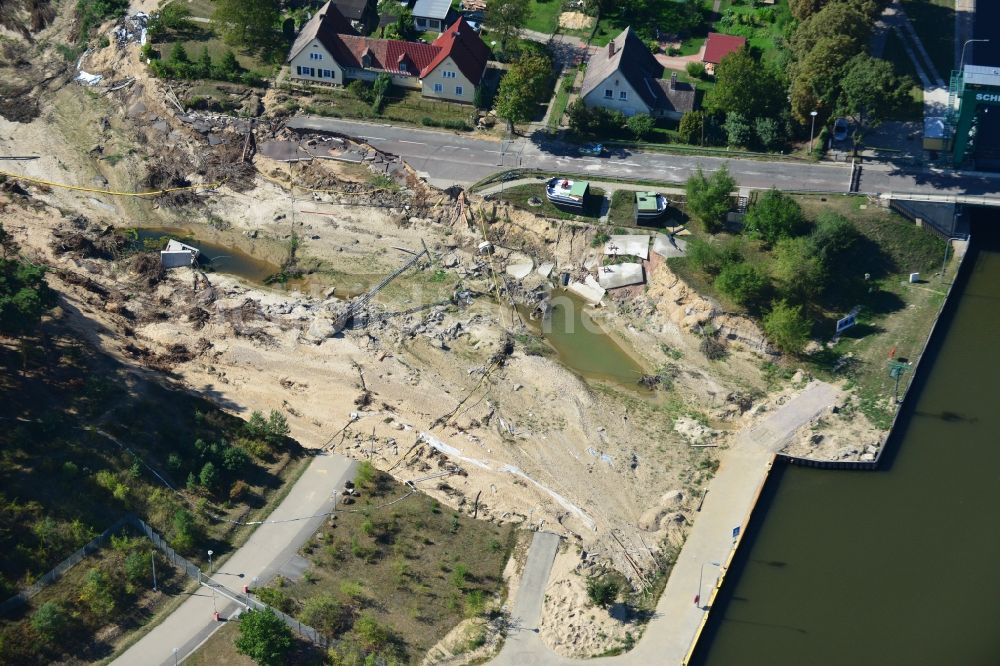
<point>701,576</point>
<point>812,129</point>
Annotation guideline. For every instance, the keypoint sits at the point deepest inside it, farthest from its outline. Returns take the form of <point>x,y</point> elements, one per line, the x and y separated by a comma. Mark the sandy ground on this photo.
<point>429,392</point>
<point>575,20</point>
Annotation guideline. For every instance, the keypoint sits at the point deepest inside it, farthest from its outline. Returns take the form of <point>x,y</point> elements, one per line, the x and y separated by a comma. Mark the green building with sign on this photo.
<point>974,92</point>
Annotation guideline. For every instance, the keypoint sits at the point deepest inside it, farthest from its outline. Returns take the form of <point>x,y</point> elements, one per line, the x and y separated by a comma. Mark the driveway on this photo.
<point>270,547</point>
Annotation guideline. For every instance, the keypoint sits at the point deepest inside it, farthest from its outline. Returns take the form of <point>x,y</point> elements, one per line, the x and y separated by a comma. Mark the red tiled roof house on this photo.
<point>328,50</point>
<point>718,46</point>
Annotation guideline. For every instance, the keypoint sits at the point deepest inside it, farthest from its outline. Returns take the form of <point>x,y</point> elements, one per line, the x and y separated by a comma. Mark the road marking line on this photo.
<point>415,143</point>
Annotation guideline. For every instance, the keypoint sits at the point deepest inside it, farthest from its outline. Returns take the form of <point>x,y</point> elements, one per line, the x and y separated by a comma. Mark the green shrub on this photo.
<point>696,70</point>
<point>277,598</point>
<point>742,282</point>
<point>50,621</point>
<point>365,475</point>
<point>787,327</point>
<point>373,635</point>
<point>325,614</point>
<point>264,637</point>
<point>602,591</point>
<point>138,567</point>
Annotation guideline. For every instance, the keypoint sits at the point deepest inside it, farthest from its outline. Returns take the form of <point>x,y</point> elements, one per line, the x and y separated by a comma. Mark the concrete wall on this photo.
<point>449,84</point>
<point>326,62</point>
<point>616,83</point>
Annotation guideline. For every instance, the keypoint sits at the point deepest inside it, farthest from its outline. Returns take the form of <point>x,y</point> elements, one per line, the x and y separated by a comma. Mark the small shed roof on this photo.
<point>646,201</point>
<point>579,188</point>
<point>718,46</point>
<point>432,8</point>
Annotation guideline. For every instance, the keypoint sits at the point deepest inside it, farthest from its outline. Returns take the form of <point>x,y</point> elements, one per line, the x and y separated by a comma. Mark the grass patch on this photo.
<point>934,22</point>
<point>520,195</point>
<point>406,107</point>
<point>622,211</point>
<point>544,16</point>
<point>562,99</point>
<point>402,575</point>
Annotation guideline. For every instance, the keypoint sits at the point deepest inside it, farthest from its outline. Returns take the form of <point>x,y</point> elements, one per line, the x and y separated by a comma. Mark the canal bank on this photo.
<point>892,566</point>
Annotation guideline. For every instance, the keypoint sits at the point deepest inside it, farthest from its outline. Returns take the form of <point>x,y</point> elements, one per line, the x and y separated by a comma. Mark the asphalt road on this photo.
<point>270,547</point>
<point>449,159</point>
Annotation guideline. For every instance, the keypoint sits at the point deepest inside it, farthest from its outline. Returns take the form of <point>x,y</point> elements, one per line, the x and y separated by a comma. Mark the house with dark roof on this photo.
<point>718,46</point>
<point>432,14</point>
<point>328,50</point>
<point>624,76</point>
<point>363,14</point>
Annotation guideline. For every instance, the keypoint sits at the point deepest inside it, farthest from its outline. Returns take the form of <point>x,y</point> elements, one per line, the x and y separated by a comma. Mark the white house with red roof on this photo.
<point>328,50</point>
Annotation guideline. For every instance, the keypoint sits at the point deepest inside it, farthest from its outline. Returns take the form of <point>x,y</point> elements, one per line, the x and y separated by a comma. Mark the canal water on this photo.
<point>215,256</point>
<point>900,566</point>
<point>582,345</point>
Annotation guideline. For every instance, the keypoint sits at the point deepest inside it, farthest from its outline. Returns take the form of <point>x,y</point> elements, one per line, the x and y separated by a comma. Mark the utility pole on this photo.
<point>152,558</point>
<point>812,129</point>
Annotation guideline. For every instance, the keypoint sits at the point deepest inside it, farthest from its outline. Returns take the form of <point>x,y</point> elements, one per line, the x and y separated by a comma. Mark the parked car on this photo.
<point>840,129</point>
<point>592,149</point>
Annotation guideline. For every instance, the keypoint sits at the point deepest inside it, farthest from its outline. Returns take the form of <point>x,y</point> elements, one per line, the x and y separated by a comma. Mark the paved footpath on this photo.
<point>731,495</point>
<point>262,556</point>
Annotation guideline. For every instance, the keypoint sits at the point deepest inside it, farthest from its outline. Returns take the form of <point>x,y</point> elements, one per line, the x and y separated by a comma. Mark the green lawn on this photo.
<point>622,211</point>
<point>407,107</point>
<point>518,196</point>
<point>199,8</point>
<point>934,22</point>
<point>562,99</point>
<point>544,16</point>
<point>202,37</point>
<point>762,26</point>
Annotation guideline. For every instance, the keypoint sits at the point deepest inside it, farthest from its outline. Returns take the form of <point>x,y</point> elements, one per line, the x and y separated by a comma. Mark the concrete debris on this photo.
<point>620,275</point>
<point>669,246</point>
<point>89,79</point>
<point>631,245</point>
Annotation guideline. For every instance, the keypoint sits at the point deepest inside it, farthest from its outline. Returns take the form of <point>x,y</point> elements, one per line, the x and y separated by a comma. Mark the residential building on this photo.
<point>718,46</point>
<point>328,50</point>
<point>624,76</point>
<point>363,14</point>
<point>432,15</point>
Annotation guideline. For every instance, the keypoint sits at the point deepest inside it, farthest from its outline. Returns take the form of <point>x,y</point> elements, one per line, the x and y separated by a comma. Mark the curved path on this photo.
<point>678,619</point>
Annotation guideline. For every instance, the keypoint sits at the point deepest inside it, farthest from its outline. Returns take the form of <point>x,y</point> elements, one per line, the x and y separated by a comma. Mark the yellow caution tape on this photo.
<point>114,193</point>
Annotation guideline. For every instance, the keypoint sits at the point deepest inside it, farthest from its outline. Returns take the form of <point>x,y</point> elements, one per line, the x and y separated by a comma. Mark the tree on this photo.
<point>24,297</point>
<point>506,18</point>
<point>380,87</point>
<point>178,54</point>
<point>50,621</point>
<point>816,77</point>
<point>324,613</point>
<point>248,23</point>
<point>522,87</point>
<point>746,86</point>
<point>98,595</point>
<point>703,256</point>
<point>185,531</point>
<point>833,237</point>
<point>708,199</point>
<point>277,427</point>
<point>738,131</point>
<point>208,476</point>
<point>640,125</point>
<point>403,28</point>
<point>204,64</point>
<point>229,64</point>
<point>175,17</point>
<point>803,9</point>
<point>264,637</point>
<point>602,590</point>
<point>138,566</point>
<point>801,275</point>
<point>742,282</point>
<point>786,327</point>
<point>775,216</point>
<point>871,91</point>
<point>692,127</point>
<point>835,19</point>
<point>769,133</point>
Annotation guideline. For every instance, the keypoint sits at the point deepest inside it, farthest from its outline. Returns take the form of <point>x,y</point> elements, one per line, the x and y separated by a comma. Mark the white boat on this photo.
<point>567,193</point>
<point>650,206</point>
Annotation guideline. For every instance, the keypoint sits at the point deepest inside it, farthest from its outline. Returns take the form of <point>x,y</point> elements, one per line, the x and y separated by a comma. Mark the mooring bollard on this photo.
<point>216,615</point>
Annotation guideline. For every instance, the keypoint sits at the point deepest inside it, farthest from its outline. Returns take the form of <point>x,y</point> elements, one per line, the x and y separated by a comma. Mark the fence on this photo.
<point>194,572</point>
<point>57,572</point>
<point>179,561</point>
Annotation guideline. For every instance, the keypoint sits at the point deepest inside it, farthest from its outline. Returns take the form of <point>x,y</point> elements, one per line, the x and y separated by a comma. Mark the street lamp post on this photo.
<point>175,656</point>
<point>961,65</point>
<point>812,129</point>
<point>701,575</point>
<point>210,553</point>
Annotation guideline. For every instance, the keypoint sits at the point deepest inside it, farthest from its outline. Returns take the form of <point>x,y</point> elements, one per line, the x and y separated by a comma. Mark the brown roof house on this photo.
<point>718,46</point>
<point>624,76</point>
<point>328,50</point>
